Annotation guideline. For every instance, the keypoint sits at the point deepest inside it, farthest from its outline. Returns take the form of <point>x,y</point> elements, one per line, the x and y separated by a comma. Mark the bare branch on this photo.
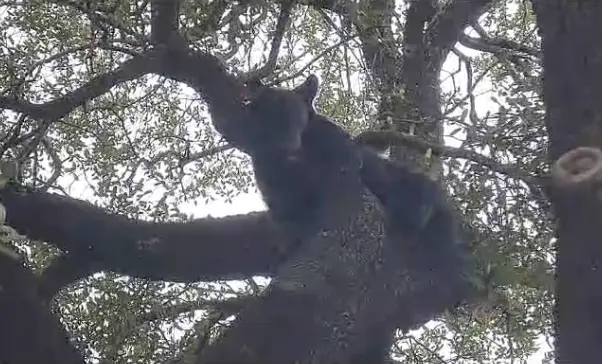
<point>341,7</point>
<point>496,45</point>
<point>283,22</point>
<point>55,163</point>
<point>100,19</point>
<point>470,85</point>
<point>13,139</point>
<point>391,137</point>
<point>316,58</point>
<point>445,28</point>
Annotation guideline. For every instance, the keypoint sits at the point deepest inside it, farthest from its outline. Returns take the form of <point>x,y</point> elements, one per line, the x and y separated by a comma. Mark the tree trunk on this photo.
<point>572,50</point>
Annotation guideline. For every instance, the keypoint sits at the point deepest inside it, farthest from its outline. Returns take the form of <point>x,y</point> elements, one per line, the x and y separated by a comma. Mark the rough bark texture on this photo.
<point>572,91</point>
<point>329,292</point>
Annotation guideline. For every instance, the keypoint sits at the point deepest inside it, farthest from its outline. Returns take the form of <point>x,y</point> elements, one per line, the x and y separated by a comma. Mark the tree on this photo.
<point>96,90</point>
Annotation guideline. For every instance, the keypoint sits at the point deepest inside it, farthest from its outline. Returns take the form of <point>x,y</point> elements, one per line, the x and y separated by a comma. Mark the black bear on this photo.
<point>311,174</point>
<point>306,167</point>
<point>417,207</point>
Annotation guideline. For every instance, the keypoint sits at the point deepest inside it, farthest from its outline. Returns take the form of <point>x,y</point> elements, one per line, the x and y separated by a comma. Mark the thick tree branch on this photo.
<point>379,47</point>
<point>426,51</point>
<point>237,247</point>
<point>209,249</point>
<point>445,28</point>
<point>420,82</point>
<point>418,13</point>
<point>344,293</point>
<point>302,297</point>
<point>202,249</point>
<point>164,20</point>
<point>571,44</point>
<point>30,333</point>
<point>56,109</point>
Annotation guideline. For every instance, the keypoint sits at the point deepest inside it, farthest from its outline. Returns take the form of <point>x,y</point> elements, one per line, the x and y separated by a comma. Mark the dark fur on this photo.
<point>306,167</point>
<point>417,207</point>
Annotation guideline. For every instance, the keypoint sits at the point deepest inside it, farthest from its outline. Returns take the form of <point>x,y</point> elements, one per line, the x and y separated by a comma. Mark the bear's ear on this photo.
<point>308,89</point>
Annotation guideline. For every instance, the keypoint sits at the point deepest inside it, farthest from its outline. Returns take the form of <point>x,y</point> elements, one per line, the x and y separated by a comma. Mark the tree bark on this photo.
<point>29,332</point>
<point>572,50</point>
